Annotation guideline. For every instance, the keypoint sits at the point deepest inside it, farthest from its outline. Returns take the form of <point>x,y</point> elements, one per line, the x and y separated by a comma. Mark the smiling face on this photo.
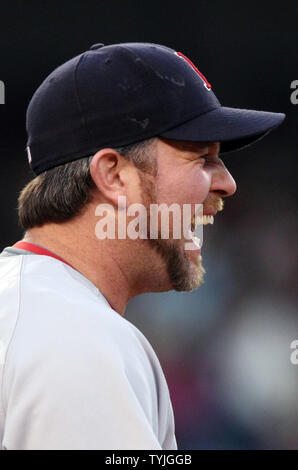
<point>188,173</point>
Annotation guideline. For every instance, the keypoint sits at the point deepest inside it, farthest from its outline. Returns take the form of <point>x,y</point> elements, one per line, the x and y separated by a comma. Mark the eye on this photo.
<point>208,160</point>
<point>202,159</point>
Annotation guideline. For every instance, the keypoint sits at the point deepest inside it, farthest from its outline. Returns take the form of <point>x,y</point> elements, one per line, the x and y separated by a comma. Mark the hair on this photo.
<point>61,193</point>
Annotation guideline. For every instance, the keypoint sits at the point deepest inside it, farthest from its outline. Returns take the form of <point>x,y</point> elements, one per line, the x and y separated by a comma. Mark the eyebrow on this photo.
<point>208,154</point>
<point>202,145</point>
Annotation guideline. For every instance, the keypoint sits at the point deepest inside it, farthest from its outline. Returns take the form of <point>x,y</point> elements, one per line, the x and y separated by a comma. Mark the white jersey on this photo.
<point>74,373</point>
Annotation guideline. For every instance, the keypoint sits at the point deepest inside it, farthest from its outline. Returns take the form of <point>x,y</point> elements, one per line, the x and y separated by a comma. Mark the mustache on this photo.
<point>215,203</point>
<point>220,204</point>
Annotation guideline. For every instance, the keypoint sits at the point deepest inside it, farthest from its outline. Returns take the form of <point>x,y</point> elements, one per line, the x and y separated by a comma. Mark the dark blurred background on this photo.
<point>225,349</point>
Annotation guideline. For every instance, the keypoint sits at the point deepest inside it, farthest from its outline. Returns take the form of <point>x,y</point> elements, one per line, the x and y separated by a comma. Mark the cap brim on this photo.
<point>234,128</point>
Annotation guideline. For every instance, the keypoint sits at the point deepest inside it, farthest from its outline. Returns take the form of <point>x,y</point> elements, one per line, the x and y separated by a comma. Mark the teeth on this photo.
<point>203,220</point>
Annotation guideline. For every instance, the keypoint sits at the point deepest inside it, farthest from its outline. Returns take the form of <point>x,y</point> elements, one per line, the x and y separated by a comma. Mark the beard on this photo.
<point>185,275</point>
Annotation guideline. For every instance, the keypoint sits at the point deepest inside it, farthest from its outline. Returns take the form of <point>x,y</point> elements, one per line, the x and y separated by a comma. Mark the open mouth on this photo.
<point>196,228</point>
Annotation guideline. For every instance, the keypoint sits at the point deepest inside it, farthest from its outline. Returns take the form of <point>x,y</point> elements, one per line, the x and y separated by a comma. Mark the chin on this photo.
<point>184,267</point>
<point>197,276</point>
<point>194,280</point>
<point>191,275</point>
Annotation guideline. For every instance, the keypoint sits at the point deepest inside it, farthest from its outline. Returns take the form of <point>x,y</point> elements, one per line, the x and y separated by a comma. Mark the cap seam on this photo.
<point>83,120</point>
<point>146,67</point>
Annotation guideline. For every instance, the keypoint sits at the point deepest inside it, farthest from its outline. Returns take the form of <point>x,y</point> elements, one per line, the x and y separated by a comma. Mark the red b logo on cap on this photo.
<point>206,83</point>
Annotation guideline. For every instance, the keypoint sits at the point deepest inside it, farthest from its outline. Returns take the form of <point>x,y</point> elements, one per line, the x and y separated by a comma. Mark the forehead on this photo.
<point>187,146</point>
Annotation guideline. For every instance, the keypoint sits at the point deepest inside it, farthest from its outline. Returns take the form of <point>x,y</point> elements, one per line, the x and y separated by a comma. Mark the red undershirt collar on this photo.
<point>38,250</point>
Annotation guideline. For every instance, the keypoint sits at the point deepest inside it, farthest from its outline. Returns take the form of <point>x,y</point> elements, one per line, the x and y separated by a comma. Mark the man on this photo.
<point>135,122</point>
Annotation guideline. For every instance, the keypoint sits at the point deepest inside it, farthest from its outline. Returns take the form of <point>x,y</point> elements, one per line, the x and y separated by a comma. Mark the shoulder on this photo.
<point>66,308</point>
<point>49,310</point>
<point>66,336</point>
<point>60,313</point>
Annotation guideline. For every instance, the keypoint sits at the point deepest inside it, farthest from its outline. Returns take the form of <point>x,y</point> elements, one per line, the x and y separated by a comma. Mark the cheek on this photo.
<point>199,186</point>
<point>184,188</point>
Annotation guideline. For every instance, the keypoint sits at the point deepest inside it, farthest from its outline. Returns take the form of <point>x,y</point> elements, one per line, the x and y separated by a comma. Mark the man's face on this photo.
<point>187,173</point>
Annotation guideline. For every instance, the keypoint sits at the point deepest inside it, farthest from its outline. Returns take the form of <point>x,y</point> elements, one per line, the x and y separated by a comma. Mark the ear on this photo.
<point>108,170</point>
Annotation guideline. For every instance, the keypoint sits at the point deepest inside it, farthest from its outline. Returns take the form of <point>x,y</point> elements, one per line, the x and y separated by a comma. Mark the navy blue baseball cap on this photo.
<point>121,94</point>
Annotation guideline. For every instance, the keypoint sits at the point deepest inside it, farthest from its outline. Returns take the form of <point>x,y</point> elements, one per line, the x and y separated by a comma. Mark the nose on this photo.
<point>223,182</point>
